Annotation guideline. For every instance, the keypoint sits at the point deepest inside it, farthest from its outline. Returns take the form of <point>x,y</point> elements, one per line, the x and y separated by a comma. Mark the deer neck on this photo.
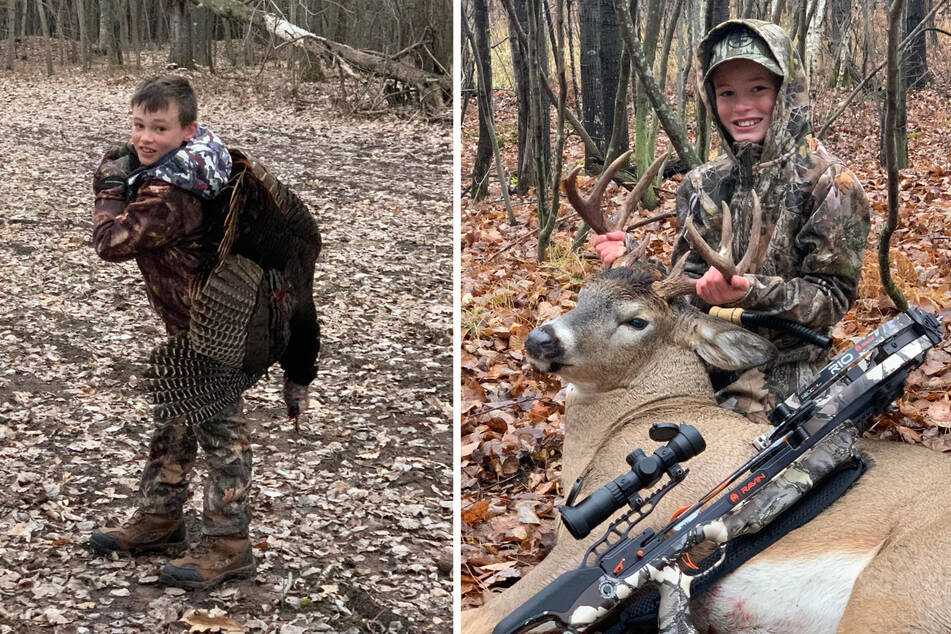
<point>671,387</point>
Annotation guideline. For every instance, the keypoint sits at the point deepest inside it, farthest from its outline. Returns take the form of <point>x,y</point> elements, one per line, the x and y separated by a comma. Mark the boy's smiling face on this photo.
<point>154,134</point>
<point>746,93</point>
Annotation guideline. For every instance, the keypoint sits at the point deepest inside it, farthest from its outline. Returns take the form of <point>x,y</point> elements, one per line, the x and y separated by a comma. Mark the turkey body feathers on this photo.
<point>254,305</point>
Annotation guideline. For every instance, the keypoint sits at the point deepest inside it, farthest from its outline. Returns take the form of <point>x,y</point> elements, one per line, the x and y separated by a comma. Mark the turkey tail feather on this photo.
<point>185,383</point>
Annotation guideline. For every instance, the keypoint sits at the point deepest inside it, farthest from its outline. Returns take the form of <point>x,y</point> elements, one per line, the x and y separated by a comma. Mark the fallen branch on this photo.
<point>434,89</point>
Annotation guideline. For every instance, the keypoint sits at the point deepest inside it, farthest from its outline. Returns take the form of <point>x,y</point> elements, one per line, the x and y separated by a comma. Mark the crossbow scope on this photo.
<point>683,442</point>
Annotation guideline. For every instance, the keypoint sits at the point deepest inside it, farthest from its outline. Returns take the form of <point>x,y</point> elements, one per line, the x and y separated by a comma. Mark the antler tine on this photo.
<point>634,252</point>
<point>589,208</point>
<point>711,257</point>
<point>637,193</point>
<point>676,283</point>
<point>753,245</point>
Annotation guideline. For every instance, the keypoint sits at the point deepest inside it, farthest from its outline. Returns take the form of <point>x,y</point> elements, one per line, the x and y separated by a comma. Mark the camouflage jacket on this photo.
<point>815,213</point>
<point>157,219</point>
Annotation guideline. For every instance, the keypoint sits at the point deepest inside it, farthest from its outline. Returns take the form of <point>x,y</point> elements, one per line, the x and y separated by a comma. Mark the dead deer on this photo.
<point>634,352</point>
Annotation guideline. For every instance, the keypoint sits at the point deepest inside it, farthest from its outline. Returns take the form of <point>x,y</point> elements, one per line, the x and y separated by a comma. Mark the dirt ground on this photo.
<point>352,516</point>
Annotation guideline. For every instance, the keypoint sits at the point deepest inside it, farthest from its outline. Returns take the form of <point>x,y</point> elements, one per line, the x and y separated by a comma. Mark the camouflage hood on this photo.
<point>202,166</point>
<point>792,115</point>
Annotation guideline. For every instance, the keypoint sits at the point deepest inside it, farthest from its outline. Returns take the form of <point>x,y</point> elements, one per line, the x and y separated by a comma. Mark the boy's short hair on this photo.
<point>156,93</point>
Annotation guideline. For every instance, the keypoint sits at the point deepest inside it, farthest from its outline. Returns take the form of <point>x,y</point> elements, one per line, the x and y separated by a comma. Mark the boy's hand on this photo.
<point>111,174</point>
<point>610,246</point>
<point>713,288</point>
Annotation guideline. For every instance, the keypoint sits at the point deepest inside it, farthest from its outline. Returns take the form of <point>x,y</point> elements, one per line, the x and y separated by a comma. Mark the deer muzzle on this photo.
<point>544,348</point>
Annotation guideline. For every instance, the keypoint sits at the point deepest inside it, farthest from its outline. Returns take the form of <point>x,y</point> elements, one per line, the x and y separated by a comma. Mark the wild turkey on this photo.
<point>251,307</point>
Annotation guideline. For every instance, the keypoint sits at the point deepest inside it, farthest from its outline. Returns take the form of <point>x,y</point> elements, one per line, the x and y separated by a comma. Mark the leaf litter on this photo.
<point>351,518</point>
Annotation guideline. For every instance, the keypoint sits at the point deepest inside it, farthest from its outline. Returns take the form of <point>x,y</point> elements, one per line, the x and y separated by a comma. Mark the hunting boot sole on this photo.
<point>103,543</point>
<point>190,579</point>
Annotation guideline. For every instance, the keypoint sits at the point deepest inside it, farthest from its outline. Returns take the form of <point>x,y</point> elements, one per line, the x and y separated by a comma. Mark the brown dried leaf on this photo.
<point>476,512</point>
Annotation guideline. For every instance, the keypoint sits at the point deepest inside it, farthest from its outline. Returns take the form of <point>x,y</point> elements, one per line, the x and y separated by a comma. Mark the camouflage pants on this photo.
<point>755,392</point>
<point>224,440</point>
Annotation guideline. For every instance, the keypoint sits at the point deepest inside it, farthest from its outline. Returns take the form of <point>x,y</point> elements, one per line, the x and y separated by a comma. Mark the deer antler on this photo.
<point>590,208</point>
<point>677,283</point>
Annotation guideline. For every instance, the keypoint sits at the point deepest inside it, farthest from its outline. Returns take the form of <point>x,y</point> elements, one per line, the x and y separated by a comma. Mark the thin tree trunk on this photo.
<point>891,157</point>
<point>479,38</point>
<point>135,32</point>
<point>123,20</point>
<point>643,141</point>
<point>712,16</point>
<point>778,7</point>
<point>545,230</point>
<point>45,28</point>
<point>11,33</point>
<point>83,32</point>
<point>571,57</point>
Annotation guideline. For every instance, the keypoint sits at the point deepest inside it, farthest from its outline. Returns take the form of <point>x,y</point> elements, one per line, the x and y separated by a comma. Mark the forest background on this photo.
<point>549,85</point>
<point>348,105</point>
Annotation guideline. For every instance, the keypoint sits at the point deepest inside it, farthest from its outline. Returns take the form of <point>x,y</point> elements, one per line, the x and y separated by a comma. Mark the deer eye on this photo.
<point>638,323</point>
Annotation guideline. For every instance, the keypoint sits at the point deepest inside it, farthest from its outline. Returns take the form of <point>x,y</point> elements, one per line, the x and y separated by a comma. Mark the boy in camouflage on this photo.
<point>815,213</point>
<point>148,206</point>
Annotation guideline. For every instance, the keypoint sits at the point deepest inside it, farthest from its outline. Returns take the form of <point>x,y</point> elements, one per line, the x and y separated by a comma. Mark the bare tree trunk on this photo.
<point>778,7</point>
<point>11,33</point>
<point>83,32</point>
<point>181,51</point>
<point>571,58</point>
<point>643,141</point>
<point>716,12</point>
<point>204,21</point>
<point>45,27</point>
<point>482,53</point>
<point>915,65</point>
<point>891,157</point>
<point>135,32</point>
<point>525,173</point>
<point>592,95</point>
<point>123,20</point>
<point>229,46</point>
<point>108,41</point>
<point>546,228</point>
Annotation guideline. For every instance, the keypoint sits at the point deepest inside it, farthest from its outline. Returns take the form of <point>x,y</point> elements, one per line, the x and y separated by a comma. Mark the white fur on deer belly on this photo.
<point>806,595</point>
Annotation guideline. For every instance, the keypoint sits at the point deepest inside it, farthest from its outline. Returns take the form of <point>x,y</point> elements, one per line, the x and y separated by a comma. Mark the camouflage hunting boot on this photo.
<point>144,532</point>
<point>218,558</point>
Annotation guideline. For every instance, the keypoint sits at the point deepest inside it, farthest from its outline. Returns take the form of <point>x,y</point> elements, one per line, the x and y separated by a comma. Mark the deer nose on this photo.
<point>542,343</point>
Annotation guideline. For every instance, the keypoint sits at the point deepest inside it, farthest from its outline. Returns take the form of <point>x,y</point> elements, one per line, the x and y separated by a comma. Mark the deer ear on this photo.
<point>723,344</point>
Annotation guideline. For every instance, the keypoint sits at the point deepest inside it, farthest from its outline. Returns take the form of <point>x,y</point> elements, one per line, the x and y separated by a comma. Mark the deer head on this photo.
<point>627,315</point>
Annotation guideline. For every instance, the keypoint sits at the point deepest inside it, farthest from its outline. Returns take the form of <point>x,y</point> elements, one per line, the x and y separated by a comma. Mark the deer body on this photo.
<point>877,560</point>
